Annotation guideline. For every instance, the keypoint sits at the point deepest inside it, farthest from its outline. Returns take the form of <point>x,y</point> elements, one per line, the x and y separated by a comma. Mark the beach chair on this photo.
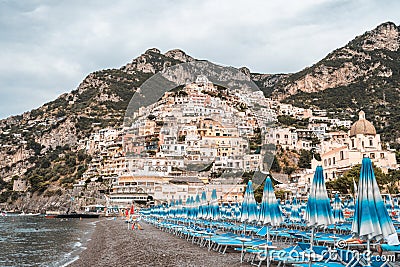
<point>393,249</point>
<point>300,254</point>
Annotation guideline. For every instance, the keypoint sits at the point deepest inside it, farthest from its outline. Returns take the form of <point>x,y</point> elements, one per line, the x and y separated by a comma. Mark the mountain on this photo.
<point>364,74</point>
<point>42,145</point>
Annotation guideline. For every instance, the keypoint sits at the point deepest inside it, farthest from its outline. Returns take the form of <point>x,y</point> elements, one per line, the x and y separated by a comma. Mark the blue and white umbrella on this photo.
<point>295,215</point>
<point>270,212</point>
<point>236,212</point>
<point>249,205</point>
<point>190,208</point>
<point>371,219</point>
<point>338,215</point>
<point>396,203</point>
<point>171,211</point>
<point>228,212</point>
<point>287,207</point>
<point>214,206</point>
<point>388,203</point>
<point>180,209</point>
<point>196,208</point>
<point>319,210</point>
<point>203,210</point>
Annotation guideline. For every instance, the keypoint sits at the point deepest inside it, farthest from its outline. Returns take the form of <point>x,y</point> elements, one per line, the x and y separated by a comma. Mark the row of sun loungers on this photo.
<point>224,237</point>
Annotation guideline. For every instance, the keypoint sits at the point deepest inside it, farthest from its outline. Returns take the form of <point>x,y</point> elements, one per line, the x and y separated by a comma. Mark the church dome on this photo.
<point>362,126</point>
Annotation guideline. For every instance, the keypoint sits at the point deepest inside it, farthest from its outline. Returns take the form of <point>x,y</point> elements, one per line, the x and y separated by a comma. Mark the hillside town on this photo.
<point>201,138</point>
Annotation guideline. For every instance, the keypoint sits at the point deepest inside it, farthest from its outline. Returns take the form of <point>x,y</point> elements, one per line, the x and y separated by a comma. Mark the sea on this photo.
<point>40,241</point>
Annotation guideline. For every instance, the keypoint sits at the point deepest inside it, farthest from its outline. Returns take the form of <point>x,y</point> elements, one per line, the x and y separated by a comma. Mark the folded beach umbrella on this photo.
<point>188,207</point>
<point>171,210</point>
<point>295,215</point>
<point>203,202</point>
<point>270,212</point>
<point>196,206</point>
<point>249,205</point>
<point>303,206</point>
<point>338,215</point>
<point>236,212</point>
<point>228,212</point>
<point>396,203</point>
<point>214,206</point>
<point>287,206</point>
<point>388,203</point>
<point>371,219</point>
<point>180,209</point>
<point>319,210</point>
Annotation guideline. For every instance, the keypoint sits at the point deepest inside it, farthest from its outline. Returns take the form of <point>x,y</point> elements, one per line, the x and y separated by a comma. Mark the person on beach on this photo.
<point>393,244</point>
<point>354,240</point>
<point>135,223</point>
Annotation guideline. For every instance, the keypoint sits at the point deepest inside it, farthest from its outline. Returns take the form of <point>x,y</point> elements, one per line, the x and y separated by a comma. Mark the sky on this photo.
<point>48,47</point>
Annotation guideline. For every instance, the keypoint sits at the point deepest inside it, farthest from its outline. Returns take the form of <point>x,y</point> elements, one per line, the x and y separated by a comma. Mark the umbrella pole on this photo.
<point>311,246</point>
<point>368,253</point>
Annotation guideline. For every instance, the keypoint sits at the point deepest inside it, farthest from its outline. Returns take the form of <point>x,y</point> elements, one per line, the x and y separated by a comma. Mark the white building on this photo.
<point>342,152</point>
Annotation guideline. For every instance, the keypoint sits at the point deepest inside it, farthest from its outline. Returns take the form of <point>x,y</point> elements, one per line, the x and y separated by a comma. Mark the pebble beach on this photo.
<point>113,244</point>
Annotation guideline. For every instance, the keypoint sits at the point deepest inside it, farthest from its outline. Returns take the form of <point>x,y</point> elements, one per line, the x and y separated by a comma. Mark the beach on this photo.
<point>113,244</point>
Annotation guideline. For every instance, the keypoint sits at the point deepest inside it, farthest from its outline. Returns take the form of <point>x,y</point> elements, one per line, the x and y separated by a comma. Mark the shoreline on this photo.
<point>113,244</point>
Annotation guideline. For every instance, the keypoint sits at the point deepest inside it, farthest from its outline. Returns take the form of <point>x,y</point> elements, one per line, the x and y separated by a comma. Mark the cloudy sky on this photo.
<point>48,47</point>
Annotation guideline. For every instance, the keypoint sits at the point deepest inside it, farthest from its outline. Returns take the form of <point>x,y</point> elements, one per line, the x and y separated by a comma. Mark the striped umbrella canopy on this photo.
<point>270,212</point>
<point>319,210</point>
<point>203,206</point>
<point>303,206</point>
<point>287,207</point>
<point>249,205</point>
<point>171,210</point>
<point>165,209</point>
<point>295,215</point>
<point>338,215</point>
<point>189,207</point>
<point>351,204</point>
<point>180,209</point>
<point>214,206</point>
<point>396,203</point>
<point>223,211</point>
<point>236,212</point>
<point>371,219</point>
<point>388,203</point>
<point>228,212</point>
<point>197,204</point>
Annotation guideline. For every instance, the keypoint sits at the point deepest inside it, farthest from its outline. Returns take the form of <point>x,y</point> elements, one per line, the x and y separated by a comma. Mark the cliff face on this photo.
<point>366,57</point>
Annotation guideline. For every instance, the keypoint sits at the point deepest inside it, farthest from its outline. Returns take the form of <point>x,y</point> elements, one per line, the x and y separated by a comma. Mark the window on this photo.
<point>329,161</point>
<point>371,142</point>
<point>334,160</point>
<point>325,162</point>
<point>372,155</point>
<point>278,136</point>
<point>341,155</point>
<point>352,142</point>
<point>382,155</point>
